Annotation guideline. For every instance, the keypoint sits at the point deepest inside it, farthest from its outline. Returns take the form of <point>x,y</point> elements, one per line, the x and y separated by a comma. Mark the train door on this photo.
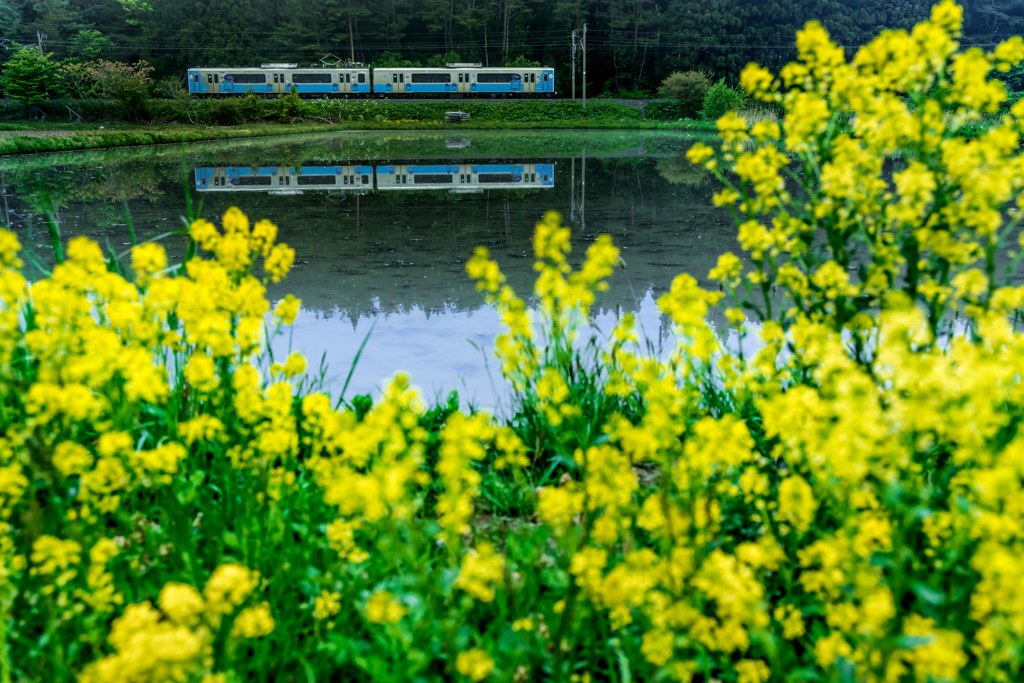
<point>463,79</point>
<point>213,83</point>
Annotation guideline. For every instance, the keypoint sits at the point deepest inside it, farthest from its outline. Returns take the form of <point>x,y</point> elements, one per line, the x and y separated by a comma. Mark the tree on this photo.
<point>31,77</point>
<point>521,62</point>
<point>128,83</point>
<point>440,61</point>
<point>995,16</point>
<point>688,88</point>
<point>393,60</point>
<point>439,16</point>
<point>89,45</point>
<point>10,18</point>
<point>56,19</point>
<point>720,99</point>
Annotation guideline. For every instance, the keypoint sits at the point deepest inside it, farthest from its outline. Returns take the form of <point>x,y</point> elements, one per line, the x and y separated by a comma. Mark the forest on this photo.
<point>631,44</point>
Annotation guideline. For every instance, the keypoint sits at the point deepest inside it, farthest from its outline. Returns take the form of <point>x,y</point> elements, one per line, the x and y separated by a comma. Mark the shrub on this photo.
<point>30,77</point>
<point>393,60</point>
<point>129,84</point>
<point>522,62</point>
<point>720,98</point>
<point>689,88</point>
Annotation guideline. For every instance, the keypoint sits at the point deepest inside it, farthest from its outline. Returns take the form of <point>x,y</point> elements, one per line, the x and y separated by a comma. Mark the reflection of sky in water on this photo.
<point>398,257</point>
<point>437,352</point>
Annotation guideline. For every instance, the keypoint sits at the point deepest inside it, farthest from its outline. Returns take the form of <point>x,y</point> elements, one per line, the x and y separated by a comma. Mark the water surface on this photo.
<point>383,223</point>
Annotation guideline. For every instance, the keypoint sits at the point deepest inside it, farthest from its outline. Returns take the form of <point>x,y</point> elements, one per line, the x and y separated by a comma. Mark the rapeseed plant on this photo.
<point>843,505</point>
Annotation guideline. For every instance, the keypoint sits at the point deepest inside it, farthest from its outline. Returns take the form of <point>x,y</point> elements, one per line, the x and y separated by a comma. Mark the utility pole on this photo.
<point>40,36</point>
<point>574,66</point>
<point>584,68</point>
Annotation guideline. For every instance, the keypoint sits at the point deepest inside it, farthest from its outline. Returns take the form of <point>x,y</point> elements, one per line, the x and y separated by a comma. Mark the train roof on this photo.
<point>258,69</point>
<point>502,69</point>
<point>244,69</point>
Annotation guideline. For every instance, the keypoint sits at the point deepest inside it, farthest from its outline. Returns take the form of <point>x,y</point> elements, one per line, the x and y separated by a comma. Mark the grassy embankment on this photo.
<point>249,117</point>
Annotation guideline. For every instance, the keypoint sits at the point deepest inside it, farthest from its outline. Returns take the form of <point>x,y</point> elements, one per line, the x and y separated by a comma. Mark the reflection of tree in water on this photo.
<point>393,252</point>
<point>679,171</point>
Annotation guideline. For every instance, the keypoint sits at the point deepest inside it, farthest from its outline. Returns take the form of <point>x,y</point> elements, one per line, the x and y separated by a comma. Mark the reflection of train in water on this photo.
<point>454,177</point>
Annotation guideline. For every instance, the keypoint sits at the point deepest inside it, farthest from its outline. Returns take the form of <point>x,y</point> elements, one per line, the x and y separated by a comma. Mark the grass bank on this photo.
<point>28,138</point>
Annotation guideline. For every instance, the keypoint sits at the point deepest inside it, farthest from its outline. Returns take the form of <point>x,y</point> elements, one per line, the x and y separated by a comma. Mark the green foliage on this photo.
<point>439,61</point>
<point>89,45</point>
<point>663,110</point>
<point>521,62</point>
<point>293,108</point>
<point>720,99</point>
<point>30,77</point>
<point>291,105</point>
<point>129,84</point>
<point>10,18</point>
<point>689,88</point>
<point>393,60</point>
<point>634,43</point>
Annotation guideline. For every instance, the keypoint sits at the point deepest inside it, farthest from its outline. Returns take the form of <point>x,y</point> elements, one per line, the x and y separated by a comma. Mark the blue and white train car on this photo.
<point>344,177</point>
<point>465,80</point>
<point>465,177</point>
<point>279,79</point>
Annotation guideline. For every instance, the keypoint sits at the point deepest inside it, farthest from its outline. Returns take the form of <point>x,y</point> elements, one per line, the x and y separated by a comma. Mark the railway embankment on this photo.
<point>84,125</point>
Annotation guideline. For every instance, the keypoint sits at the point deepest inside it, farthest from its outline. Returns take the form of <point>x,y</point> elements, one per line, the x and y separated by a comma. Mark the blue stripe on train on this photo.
<point>364,170</point>
<point>547,173</point>
<point>494,168</point>
<point>499,87</point>
<point>321,170</point>
<point>433,169</point>
<point>432,87</point>
<point>245,87</point>
<point>319,87</point>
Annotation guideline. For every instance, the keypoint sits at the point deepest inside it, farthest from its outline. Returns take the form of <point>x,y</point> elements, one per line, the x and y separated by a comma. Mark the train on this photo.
<point>453,81</point>
<point>347,176</point>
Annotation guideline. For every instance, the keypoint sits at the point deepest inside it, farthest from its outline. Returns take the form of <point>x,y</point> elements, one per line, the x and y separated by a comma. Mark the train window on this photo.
<point>460,78</point>
<point>496,78</point>
<point>545,78</point>
<point>394,77</point>
<point>401,78</point>
<point>366,180</point>
<point>195,78</point>
<point>311,78</point>
<point>431,78</point>
<point>362,78</point>
<point>209,78</point>
<point>348,78</point>
<point>216,78</point>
